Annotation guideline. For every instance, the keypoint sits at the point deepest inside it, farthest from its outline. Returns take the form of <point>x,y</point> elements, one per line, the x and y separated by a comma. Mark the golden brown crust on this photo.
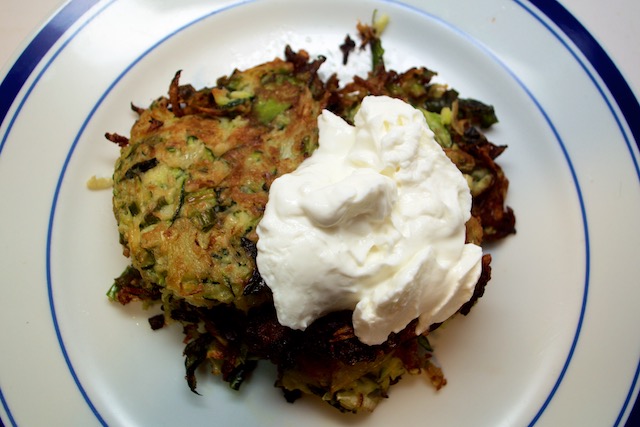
<point>192,179</point>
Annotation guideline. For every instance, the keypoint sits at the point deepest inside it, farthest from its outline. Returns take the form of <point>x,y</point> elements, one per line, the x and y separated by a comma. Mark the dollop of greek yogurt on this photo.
<point>373,221</point>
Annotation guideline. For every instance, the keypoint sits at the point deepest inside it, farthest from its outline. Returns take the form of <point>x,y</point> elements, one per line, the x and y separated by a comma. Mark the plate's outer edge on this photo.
<point>628,104</point>
<point>598,58</point>
<point>37,48</point>
<point>630,109</point>
<point>20,71</point>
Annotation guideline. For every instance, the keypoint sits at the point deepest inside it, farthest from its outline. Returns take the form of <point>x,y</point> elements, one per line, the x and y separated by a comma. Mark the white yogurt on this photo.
<point>374,222</point>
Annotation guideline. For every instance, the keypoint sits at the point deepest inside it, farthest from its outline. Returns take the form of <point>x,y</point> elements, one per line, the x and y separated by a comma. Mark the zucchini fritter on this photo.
<point>191,183</point>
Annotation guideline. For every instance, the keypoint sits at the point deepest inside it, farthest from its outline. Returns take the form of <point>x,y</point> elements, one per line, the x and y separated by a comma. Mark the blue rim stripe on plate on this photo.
<point>35,51</point>
<point>6,408</point>
<point>614,81</point>
<point>624,98</point>
<point>48,253</point>
<point>13,82</point>
<point>597,56</point>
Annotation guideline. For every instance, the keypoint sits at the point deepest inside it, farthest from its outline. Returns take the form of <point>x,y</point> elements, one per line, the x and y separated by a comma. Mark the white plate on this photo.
<point>553,341</point>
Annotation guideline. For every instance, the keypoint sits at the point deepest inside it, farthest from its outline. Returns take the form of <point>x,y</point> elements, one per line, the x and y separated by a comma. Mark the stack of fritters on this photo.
<point>191,185</point>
